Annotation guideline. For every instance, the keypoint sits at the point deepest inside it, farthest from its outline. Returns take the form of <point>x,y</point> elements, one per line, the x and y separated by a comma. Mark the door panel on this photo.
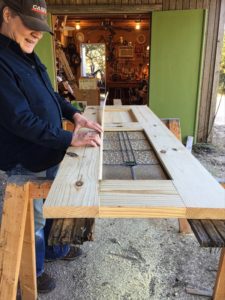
<point>175,67</point>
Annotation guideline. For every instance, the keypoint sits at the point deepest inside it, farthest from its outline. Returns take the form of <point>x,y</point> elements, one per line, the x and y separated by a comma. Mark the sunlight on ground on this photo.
<point>220,116</point>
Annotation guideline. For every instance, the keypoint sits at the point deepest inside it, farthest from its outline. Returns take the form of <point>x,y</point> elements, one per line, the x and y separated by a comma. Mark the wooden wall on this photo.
<point>165,4</point>
<point>136,66</point>
<point>137,6</point>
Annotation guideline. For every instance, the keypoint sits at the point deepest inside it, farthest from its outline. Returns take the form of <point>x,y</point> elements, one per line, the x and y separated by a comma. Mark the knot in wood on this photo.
<point>72,154</point>
<point>79,183</point>
<point>162,151</point>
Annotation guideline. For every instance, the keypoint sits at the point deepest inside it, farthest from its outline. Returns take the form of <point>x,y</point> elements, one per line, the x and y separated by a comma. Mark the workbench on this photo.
<point>80,190</point>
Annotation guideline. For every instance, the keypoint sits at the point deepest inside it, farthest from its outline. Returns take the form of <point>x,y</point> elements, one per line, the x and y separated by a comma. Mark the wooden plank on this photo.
<point>219,289</point>
<point>200,233</point>
<point>172,4</point>
<point>179,4</point>
<point>186,4</point>
<point>74,192</point>
<point>103,8</point>
<point>213,233</point>
<point>66,198</point>
<point>205,4</point>
<point>193,4</point>
<point>101,121</point>
<point>39,189</point>
<point>208,70</point>
<point>119,116</point>
<point>28,281</point>
<point>166,4</point>
<point>125,126</point>
<point>219,46</point>
<point>117,102</point>
<point>141,212</point>
<point>199,292</point>
<point>62,57</point>
<point>12,234</point>
<point>196,186</point>
<point>199,4</point>
<point>220,227</point>
<point>174,126</point>
<point>147,199</point>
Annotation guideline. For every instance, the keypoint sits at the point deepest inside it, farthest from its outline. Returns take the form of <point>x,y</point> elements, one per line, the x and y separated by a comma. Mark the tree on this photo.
<point>221,89</point>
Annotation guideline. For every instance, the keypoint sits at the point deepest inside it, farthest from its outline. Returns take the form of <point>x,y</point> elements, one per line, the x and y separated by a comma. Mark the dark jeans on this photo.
<point>42,226</point>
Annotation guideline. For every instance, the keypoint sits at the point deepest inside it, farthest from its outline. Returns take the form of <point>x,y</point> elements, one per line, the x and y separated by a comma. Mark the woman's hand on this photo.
<point>82,122</point>
<point>81,139</point>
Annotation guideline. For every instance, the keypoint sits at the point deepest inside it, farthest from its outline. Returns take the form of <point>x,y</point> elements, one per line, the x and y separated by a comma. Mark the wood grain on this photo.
<point>191,193</point>
<point>195,185</point>
<point>11,238</point>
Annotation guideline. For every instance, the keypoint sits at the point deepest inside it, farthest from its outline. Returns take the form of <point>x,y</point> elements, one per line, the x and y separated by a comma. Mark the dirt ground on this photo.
<point>141,258</point>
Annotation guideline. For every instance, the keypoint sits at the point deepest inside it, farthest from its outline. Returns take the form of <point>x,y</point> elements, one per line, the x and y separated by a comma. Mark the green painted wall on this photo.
<point>175,67</point>
<point>44,50</point>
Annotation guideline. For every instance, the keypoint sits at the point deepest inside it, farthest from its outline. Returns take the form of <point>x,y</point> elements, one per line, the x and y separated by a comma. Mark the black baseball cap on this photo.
<point>33,13</point>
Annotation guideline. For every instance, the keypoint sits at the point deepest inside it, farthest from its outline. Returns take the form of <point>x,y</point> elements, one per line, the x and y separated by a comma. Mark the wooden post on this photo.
<point>28,282</point>
<point>219,289</point>
<point>11,237</point>
<point>174,127</point>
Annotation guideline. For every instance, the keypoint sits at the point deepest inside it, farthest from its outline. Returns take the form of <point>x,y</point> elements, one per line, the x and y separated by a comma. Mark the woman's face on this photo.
<point>14,28</point>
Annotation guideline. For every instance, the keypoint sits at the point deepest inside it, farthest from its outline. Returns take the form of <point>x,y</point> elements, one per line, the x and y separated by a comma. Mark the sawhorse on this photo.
<point>17,246</point>
<point>17,241</point>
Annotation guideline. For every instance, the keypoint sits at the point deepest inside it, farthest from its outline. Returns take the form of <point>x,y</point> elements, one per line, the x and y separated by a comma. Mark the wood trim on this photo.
<point>28,279</point>
<point>174,126</point>
<point>102,9</point>
<point>113,6</point>
<point>192,191</point>
<point>219,290</point>
<point>219,46</point>
<point>208,83</point>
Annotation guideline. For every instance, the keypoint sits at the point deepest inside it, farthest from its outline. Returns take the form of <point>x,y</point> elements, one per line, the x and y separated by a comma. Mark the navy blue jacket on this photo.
<point>31,131</point>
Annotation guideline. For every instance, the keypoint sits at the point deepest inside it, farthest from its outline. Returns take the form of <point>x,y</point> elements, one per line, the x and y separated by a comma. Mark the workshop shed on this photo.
<point>184,40</point>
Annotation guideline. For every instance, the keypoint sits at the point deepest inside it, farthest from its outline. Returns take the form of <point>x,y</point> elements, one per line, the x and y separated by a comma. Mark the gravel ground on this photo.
<point>140,258</point>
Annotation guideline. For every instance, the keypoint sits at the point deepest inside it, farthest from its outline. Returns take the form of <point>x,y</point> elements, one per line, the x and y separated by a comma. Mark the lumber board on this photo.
<point>174,126</point>
<point>28,280</point>
<point>66,199</point>
<point>102,123</point>
<point>219,290</point>
<point>117,116</point>
<point>196,186</point>
<point>145,197</point>
<point>74,192</point>
<point>191,192</point>
<point>117,102</point>
<point>125,126</point>
<point>11,238</point>
<point>62,57</point>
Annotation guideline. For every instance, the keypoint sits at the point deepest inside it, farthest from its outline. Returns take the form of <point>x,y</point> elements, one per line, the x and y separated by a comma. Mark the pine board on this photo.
<point>65,198</point>
<point>196,186</point>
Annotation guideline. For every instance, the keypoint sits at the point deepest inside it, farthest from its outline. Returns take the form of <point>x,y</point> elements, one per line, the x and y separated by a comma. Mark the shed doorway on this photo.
<point>122,68</point>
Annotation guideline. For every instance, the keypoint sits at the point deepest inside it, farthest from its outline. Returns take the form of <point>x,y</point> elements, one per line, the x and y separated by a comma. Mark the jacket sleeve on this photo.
<point>68,110</point>
<point>18,119</point>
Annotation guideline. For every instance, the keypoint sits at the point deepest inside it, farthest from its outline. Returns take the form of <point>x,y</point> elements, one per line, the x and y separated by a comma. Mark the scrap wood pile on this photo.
<point>71,231</point>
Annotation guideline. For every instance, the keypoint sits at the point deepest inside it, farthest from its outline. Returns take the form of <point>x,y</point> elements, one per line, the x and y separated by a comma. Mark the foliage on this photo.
<point>222,70</point>
<point>95,54</point>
